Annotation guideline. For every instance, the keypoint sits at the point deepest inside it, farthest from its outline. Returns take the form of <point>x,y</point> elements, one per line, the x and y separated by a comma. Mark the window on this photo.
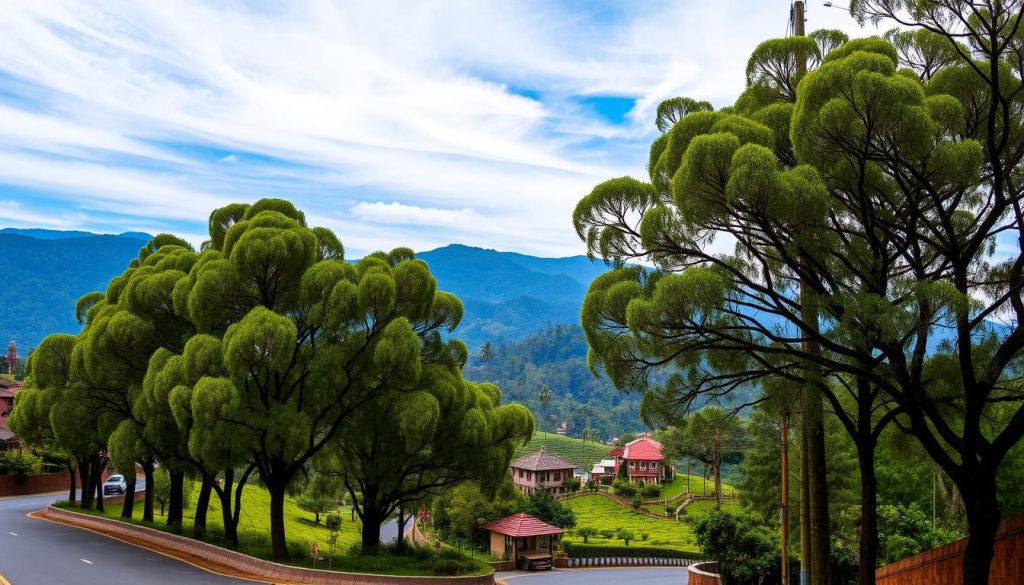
<point>558,476</point>
<point>632,464</point>
<point>643,465</point>
<point>520,474</point>
<point>654,464</point>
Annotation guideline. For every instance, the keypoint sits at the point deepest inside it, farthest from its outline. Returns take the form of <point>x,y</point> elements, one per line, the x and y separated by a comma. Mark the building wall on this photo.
<point>944,564</point>
<point>529,482</point>
<point>497,544</point>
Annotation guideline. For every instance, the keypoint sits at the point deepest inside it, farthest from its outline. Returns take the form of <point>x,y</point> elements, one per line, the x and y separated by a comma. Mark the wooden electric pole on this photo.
<point>784,505</point>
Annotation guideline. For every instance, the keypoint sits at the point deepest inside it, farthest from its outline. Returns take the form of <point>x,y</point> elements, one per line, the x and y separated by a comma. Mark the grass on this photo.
<point>601,513</point>
<point>698,510</point>
<point>582,453</point>
<point>301,531</point>
<point>697,486</point>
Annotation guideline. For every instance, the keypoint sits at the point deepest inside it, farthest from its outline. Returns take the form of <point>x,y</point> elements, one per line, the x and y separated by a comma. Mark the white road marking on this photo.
<point>88,562</point>
<point>13,533</point>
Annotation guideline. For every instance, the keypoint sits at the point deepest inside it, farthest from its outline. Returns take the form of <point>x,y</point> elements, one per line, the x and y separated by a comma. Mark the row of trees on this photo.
<point>871,189</point>
<point>266,354</point>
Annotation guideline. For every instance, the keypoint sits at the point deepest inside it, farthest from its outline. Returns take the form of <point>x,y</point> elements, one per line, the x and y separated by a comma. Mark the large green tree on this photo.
<point>877,199</point>
<point>712,435</point>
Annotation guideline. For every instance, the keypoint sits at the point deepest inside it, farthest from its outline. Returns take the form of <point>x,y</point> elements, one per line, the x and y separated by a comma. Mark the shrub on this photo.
<point>651,491</point>
<point>624,488</point>
<point>670,510</point>
<point>625,535</point>
<point>449,567</point>
<point>607,533</point>
<point>19,463</point>
<point>579,550</point>
<point>746,548</point>
<point>586,532</point>
<point>644,536</point>
<point>591,485</point>
<point>636,503</point>
<point>572,485</point>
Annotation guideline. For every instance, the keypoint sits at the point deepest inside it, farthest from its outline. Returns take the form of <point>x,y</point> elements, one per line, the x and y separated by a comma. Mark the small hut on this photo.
<point>528,541</point>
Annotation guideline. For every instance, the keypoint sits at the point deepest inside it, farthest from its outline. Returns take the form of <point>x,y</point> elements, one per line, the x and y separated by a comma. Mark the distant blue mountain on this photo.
<point>506,295</point>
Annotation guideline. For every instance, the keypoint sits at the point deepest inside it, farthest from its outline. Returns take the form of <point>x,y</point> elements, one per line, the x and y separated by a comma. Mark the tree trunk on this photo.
<point>227,518</point>
<point>72,478</point>
<point>128,506</point>
<point>805,503</point>
<point>716,469</point>
<point>278,544</point>
<point>402,519</point>
<point>983,518</point>
<point>868,512</point>
<point>821,545</point>
<point>85,472</point>
<point>202,505</point>
<point>147,508</point>
<point>176,501</point>
<point>97,480</point>
<point>372,519</point>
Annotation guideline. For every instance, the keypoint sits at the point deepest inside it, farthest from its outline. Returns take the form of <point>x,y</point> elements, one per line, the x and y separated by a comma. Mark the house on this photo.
<point>526,540</point>
<point>541,471</point>
<point>644,462</point>
<point>603,469</point>
<point>8,390</point>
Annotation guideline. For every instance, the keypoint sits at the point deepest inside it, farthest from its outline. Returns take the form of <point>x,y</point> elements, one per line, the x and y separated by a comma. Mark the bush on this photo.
<point>651,491</point>
<point>586,532</point>
<point>578,550</point>
<point>670,510</point>
<point>644,536</point>
<point>623,488</point>
<point>591,485</point>
<point>572,485</point>
<point>19,463</point>
<point>746,548</point>
<point>625,535</point>
<point>607,533</point>
<point>636,503</point>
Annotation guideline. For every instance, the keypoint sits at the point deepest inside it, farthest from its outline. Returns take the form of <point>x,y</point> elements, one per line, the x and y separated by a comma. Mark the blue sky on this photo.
<point>394,123</point>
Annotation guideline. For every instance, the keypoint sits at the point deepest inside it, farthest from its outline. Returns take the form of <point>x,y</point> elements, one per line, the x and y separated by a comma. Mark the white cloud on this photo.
<point>380,212</point>
<point>349,105</point>
<point>12,213</point>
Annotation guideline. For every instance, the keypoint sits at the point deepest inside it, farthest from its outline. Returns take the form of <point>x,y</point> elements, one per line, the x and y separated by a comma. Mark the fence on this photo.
<point>627,562</point>
<point>945,564</point>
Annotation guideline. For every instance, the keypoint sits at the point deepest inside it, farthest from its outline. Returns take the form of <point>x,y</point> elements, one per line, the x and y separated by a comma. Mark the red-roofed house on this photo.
<point>541,471</point>
<point>8,390</point>
<point>644,462</point>
<point>525,539</point>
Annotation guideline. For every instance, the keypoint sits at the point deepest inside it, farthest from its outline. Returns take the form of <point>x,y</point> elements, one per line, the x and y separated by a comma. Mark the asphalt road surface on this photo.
<point>619,576</point>
<point>40,552</point>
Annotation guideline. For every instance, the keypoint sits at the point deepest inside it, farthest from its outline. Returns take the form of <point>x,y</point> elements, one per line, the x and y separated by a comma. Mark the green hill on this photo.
<point>582,453</point>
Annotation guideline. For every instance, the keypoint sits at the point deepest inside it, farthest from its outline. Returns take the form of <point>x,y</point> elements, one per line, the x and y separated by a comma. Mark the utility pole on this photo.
<point>784,506</point>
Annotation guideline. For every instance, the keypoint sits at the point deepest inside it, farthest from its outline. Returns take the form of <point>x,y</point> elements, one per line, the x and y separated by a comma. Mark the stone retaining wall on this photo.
<point>703,574</point>
<point>254,568</point>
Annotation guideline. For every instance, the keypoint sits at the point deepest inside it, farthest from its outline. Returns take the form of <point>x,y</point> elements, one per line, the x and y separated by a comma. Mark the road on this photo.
<point>39,552</point>
<point>645,575</point>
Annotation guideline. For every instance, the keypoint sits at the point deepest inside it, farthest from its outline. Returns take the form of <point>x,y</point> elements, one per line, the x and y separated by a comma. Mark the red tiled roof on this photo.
<point>616,452</point>
<point>647,449</point>
<point>521,525</point>
<point>542,461</point>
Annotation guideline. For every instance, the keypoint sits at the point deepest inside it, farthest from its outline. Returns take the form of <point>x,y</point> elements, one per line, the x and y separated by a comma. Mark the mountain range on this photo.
<point>506,295</point>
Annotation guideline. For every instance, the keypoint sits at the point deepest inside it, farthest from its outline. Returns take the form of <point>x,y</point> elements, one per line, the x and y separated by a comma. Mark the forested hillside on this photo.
<point>556,357</point>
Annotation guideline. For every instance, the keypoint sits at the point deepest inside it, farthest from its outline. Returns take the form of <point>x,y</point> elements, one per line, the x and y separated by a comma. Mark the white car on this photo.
<point>115,484</point>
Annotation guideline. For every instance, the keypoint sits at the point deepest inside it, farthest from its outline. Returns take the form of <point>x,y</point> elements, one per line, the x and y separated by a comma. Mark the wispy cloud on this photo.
<point>443,121</point>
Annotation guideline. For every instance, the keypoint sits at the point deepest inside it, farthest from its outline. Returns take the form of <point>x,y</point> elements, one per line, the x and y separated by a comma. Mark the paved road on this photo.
<point>618,576</point>
<point>39,552</point>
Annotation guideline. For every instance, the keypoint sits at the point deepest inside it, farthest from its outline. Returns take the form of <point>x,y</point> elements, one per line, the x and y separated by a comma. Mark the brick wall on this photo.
<point>224,560</point>
<point>23,485</point>
<point>703,574</point>
<point>944,564</point>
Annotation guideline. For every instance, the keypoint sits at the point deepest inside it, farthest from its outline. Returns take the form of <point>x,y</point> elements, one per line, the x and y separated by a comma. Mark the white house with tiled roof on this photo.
<point>541,471</point>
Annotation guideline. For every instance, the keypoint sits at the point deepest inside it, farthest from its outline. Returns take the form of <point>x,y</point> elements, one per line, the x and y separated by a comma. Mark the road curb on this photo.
<point>228,563</point>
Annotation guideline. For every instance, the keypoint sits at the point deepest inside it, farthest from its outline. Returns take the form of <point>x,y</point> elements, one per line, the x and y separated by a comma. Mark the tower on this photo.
<point>12,358</point>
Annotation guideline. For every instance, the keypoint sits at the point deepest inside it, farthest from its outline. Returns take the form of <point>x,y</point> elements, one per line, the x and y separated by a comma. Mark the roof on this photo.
<point>616,452</point>
<point>521,525</point>
<point>6,434</point>
<point>542,461</point>
<point>644,448</point>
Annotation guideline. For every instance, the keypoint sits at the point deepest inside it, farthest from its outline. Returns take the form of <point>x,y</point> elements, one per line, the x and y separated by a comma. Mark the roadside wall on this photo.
<point>703,574</point>
<point>222,560</point>
<point>41,483</point>
<point>945,564</point>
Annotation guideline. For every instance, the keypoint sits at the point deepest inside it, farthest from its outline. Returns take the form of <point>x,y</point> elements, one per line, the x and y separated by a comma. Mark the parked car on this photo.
<point>115,484</point>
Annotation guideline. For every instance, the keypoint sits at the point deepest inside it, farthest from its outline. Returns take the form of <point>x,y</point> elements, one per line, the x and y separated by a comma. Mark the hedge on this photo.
<point>589,551</point>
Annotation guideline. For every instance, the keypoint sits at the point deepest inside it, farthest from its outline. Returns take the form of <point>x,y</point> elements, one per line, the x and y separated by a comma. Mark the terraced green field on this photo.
<point>698,486</point>
<point>698,510</point>
<point>582,453</point>
<point>602,513</point>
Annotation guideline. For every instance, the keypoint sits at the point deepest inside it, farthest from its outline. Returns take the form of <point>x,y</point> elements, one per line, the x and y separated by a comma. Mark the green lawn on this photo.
<point>698,510</point>
<point>301,531</point>
<point>582,453</point>
<point>602,513</point>
<point>697,486</point>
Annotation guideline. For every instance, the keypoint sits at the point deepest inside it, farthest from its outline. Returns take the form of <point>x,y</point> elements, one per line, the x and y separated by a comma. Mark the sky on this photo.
<point>417,123</point>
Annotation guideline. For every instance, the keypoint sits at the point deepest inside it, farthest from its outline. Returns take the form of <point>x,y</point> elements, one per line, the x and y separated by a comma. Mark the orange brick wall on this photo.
<point>944,564</point>
<point>703,574</point>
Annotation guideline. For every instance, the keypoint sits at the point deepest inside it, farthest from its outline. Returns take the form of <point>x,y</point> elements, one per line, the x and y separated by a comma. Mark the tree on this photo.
<point>486,352</point>
<point>586,532</point>
<point>465,508</point>
<point>625,535</point>
<point>870,205</point>
<point>543,505</point>
<point>745,548</point>
<point>711,435</point>
<point>443,431</point>
<point>545,396</point>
